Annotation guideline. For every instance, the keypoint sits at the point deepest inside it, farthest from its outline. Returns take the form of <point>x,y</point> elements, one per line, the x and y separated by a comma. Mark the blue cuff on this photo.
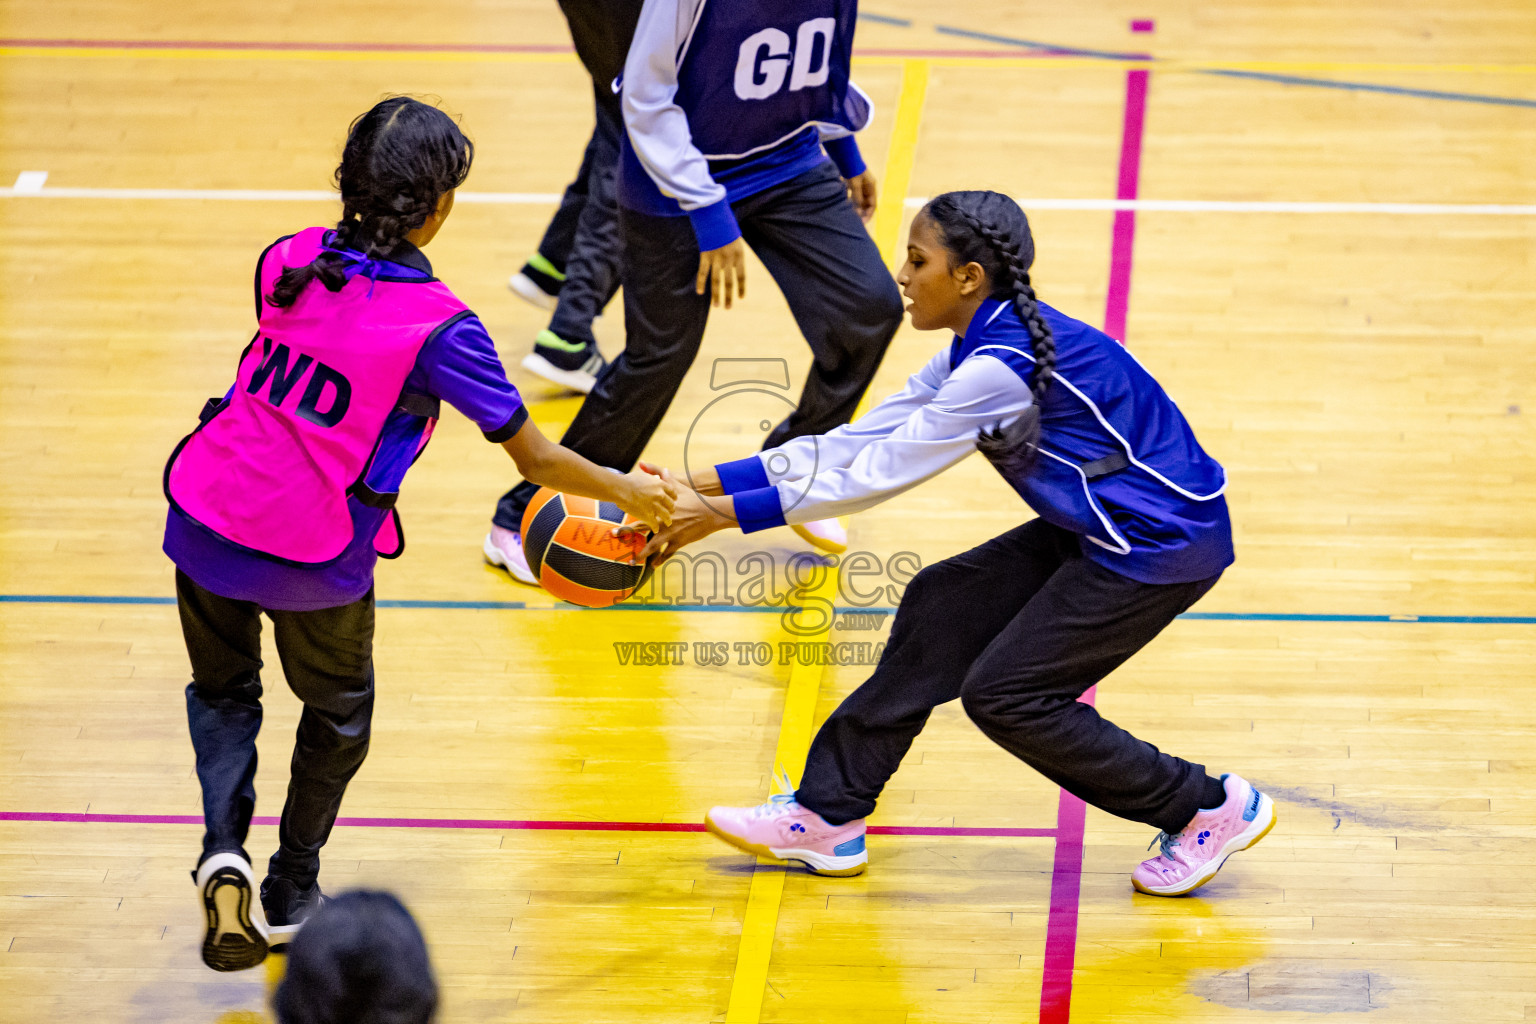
<point>845,153</point>
<point>745,474</point>
<point>759,509</point>
<point>714,225</point>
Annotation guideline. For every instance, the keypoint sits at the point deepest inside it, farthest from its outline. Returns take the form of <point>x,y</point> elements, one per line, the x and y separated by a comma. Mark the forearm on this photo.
<point>707,482</point>
<point>550,465</point>
<point>809,455</point>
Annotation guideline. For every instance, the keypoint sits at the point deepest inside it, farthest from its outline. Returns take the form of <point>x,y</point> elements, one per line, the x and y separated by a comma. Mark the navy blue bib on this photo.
<point>758,71</point>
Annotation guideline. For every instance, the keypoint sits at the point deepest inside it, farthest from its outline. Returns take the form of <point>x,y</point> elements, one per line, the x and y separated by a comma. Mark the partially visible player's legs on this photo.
<point>540,279</point>
<point>566,351</point>
<point>224,715</point>
<point>1023,693</point>
<point>845,303</point>
<point>327,658</point>
<point>664,322</point>
<point>949,614</point>
<point>601,31</point>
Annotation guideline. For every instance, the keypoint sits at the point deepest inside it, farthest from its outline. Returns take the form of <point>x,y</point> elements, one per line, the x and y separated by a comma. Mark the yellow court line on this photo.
<point>760,920</point>
<point>899,160</point>
<point>969,60</point>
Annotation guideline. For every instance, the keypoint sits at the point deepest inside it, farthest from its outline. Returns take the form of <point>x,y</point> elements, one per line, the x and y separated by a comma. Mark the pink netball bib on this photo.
<point>272,469</point>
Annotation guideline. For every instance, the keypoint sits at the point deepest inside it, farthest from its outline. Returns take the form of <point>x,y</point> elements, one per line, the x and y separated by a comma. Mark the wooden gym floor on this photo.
<point>1327,252</point>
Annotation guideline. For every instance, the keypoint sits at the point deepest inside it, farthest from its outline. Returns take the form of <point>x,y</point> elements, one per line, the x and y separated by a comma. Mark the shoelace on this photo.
<point>781,802</point>
<point>1166,841</point>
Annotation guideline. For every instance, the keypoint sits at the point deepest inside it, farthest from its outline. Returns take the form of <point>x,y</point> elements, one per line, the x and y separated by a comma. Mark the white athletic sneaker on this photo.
<point>524,288</point>
<point>504,548</point>
<point>538,282</point>
<point>827,535</point>
<point>237,931</point>
<point>581,379</point>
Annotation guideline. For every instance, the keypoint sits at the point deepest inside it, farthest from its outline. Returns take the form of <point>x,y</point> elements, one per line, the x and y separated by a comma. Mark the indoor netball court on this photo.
<point>1314,223</point>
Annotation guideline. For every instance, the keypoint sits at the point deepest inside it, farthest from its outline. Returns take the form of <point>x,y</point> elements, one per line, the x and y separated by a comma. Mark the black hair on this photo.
<point>359,959</point>
<point>990,229</point>
<point>399,160</point>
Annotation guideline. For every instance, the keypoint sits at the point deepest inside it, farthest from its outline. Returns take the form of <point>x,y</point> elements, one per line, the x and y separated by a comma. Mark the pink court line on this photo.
<point>241,44</point>
<point>320,46</point>
<point>510,825</point>
<point>1072,813</point>
<point>1123,239</point>
<point>1061,919</point>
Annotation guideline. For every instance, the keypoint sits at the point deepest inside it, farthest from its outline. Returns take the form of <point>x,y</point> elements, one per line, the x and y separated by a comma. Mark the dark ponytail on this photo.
<point>399,160</point>
<point>990,229</point>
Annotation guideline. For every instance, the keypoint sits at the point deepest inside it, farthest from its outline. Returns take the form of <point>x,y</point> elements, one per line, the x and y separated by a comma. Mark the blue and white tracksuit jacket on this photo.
<point>725,98</point>
<point>1118,465</point>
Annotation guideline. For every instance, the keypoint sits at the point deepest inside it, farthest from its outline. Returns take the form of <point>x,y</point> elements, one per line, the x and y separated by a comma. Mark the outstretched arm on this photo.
<point>805,456</point>
<point>649,494</point>
<point>935,435</point>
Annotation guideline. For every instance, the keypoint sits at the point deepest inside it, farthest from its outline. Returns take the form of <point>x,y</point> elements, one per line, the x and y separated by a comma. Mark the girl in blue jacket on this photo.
<point>1132,530</point>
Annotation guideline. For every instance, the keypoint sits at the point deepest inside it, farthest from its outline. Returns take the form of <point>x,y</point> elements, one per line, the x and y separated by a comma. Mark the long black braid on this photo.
<point>990,229</point>
<point>399,160</point>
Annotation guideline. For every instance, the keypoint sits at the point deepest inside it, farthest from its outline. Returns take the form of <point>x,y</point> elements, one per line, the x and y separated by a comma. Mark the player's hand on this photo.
<point>722,269</point>
<point>863,194</point>
<point>692,520</point>
<point>653,495</point>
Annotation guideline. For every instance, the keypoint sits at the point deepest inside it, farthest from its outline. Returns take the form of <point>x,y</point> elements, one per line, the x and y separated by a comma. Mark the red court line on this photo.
<point>321,46</point>
<point>1124,238</point>
<point>510,825</point>
<point>242,44</point>
<point>1061,922</point>
<point>1072,813</point>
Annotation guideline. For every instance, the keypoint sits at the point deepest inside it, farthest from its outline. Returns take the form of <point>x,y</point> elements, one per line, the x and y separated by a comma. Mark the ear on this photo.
<point>970,278</point>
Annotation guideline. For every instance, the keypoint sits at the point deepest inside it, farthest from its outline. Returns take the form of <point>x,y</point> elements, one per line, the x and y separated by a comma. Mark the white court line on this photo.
<point>30,186</point>
<point>30,182</point>
<point>1255,206</point>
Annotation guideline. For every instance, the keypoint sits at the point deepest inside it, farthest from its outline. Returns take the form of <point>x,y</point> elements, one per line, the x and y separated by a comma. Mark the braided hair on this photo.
<point>401,157</point>
<point>989,228</point>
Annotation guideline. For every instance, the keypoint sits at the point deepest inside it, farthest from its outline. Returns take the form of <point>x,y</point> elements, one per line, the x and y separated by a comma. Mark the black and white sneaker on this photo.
<point>287,908</point>
<point>237,937</point>
<point>539,282</point>
<point>570,364</point>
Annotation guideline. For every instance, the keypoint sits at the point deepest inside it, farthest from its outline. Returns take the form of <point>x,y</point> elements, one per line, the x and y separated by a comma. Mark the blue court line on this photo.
<point>1475,620</point>
<point>885,19</point>
<point>81,599</point>
<point>1259,76</point>
<point>1394,90</point>
<point>1478,620</point>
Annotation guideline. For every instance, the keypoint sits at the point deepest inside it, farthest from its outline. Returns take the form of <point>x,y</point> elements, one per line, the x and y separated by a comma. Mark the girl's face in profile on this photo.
<point>938,294</point>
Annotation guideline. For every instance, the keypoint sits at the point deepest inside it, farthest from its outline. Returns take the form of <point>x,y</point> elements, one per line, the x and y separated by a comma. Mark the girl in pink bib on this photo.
<point>284,496</point>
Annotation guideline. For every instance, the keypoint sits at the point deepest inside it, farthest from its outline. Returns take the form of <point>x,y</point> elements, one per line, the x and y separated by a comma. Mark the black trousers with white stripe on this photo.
<point>1017,629</point>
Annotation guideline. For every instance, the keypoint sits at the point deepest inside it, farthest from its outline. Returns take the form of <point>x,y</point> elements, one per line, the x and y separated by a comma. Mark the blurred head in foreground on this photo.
<point>359,960</point>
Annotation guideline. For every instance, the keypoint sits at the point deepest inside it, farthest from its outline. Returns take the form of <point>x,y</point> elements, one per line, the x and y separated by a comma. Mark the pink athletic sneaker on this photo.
<point>824,535</point>
<point>1192,857</point>
<point>504,547</point>
<point>783,829</point>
